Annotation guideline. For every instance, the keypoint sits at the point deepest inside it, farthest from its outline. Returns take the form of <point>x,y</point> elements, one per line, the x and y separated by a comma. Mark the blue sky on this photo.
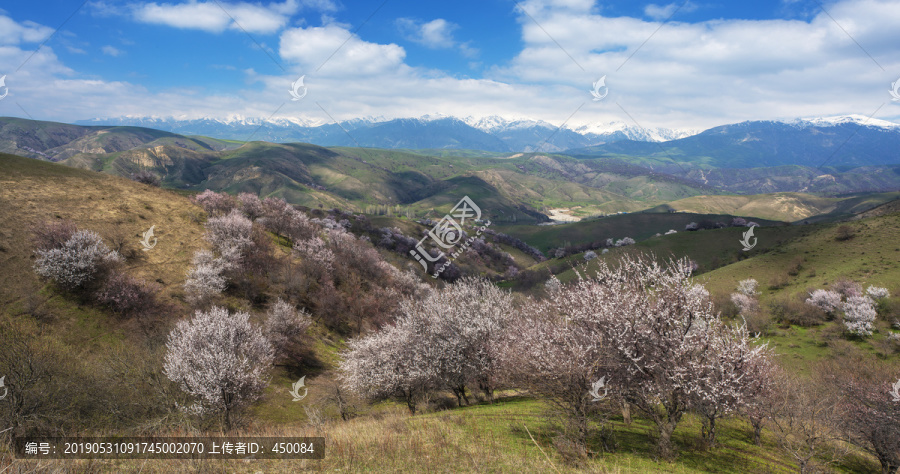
<point>712,63</point>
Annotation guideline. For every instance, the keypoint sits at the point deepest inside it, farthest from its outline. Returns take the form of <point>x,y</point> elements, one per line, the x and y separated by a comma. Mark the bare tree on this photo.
<point>870,413</point>
<point>806,418</point>
<point>220,359</point>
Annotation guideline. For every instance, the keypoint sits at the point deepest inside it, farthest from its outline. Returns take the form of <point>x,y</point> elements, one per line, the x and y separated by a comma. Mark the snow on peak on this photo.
<point>842,119</point>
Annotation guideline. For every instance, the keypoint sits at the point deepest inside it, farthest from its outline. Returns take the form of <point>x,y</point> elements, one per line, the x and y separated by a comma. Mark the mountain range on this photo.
<point>517,187</point>
<point>493,133</point>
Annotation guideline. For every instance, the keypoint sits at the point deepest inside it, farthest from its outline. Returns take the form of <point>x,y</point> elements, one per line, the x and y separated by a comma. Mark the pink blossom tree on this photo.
<point>219,359</point>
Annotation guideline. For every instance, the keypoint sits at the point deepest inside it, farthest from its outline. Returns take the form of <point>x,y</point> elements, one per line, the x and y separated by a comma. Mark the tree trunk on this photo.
<point>410,398</point>
<point>626,413</point>
<point>757,424</point>
<point>708,431</point>
<point>665,448</point>
<point>889,464</point>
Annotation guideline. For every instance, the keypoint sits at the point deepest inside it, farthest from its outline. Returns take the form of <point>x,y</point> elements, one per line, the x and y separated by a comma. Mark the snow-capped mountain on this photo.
<point>614,131</point>
<point>843,120</point>
<point>497,133</point>
<point>847,140</point>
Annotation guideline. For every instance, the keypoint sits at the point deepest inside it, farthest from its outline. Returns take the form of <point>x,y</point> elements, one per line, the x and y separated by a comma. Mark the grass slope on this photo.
<point>638,226</point>
<point>119,210</point>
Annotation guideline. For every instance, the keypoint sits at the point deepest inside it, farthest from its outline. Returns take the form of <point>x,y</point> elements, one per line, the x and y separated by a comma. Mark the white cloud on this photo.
<point>12,33</point>
<point>338,52</point>
<point>111,51</point>
<point>435,34</point>
<point>664,12</point>
<point>211,17</point>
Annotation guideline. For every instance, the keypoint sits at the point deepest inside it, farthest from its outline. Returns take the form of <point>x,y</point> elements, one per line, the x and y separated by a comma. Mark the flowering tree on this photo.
<point>462,325</point>
<point>284,324</point>
<point>871,413</point>
<point>738,373</point>
<point>625,241</point>
<point>558,358</point>
<point>667,345</point>
<point>214,203</point>
<point>231,235</point>
<point>876,293</point>
<point>748,287</point>
<point>205,277</point>
<point>858,307</point>
<point>826,300</point>
<point>387,364</point>
<point>220,359</point>
<point>78,262</point>
<point>590,255</point>
<point>446,339</point>
<point>745,298</point>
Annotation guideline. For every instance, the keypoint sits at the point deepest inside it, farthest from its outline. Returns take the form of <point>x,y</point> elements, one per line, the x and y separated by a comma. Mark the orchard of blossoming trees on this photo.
<point>645,327</point>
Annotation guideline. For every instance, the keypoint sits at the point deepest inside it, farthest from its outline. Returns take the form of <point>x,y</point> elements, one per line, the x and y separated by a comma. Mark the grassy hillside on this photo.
<point>638,226</point>
<point>782,206</point>
<point>118,209</point>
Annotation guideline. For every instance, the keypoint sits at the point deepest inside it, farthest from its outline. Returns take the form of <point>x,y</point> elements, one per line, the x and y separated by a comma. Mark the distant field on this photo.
<point>638,226</point>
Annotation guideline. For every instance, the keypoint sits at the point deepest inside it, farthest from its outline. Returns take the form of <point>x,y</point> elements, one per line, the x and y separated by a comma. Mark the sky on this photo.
<point>687,65</point>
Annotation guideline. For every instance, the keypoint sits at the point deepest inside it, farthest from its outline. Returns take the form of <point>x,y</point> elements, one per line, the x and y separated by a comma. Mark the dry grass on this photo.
<point>120,210</point>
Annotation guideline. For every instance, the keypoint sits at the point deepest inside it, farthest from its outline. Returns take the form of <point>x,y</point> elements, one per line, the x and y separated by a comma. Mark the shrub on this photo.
<point>625,241</point>
<point>219,359</point>
<point>214,203</point>
<point>795,266</point>
<point>779,281</point>
<point>691,227</point>
<point>844,232</point>
<point>146,177</point>
<point>127,295</point>
<point>80,261</point>
<point>52,235</point>
<point>590,254</point>
<point>671,231</point>
<point>790,311</point>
